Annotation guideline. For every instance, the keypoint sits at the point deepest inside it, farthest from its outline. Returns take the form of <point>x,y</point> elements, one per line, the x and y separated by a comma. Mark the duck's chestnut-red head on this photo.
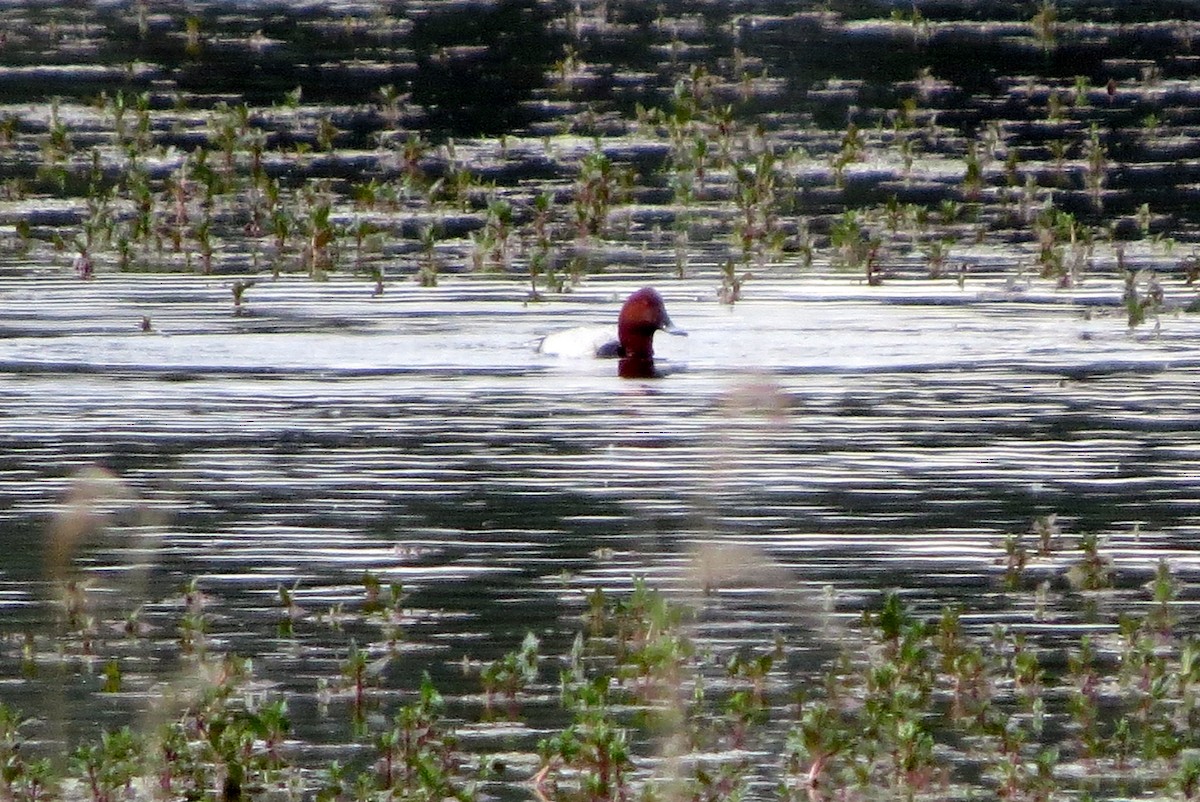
<point>643,314</point>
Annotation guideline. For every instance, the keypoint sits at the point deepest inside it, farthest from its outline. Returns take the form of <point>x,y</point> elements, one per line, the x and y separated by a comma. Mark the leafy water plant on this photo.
<point>755,232</point>
<point>730,291</point>
<point>1093,570</point>
<point>856,248</point>
<point>510,674</point>
<point>108,768</point>
<point>598,187</point>
<point>22,776</point>
<point>491,245</point>
<point>418,755</point>
<point>852,148</point>
<point>540,259</point>
<point>1096,173</point>
<point>320,238</point>
<point>427,273</point>
<point>913,706</point>
<point>1064,246</point>
<point>1045,24</point>
<point>1143,298</point>
<point>593,753</point>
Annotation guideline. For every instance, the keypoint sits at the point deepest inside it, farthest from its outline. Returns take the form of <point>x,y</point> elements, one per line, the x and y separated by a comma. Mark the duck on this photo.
<point>642,315</point>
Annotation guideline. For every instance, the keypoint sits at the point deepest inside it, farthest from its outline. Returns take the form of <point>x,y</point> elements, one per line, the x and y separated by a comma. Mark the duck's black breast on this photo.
<point>610,350</point>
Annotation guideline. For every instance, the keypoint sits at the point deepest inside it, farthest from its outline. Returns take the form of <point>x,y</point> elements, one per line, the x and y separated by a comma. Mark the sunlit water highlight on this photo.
<point>812,445</point>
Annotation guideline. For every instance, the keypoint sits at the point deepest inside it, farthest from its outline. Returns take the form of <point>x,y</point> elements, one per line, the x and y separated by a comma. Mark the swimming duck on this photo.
<point>643,314</point>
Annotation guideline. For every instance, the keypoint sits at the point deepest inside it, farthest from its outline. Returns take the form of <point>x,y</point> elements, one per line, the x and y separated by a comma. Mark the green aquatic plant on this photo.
<point>418,754</point>
<point>427,273</point>
<point>805,242</point>
<point>755,231</point>
<point>457,185</point>
<point>193,624</point>
<point>540,260</point>
<point>1048,533</point>
<point>1017,557</point>
<point>1080,94</point>
<point>23,777</point>
<point>1096,174</point>
<point>1093,569</point>
<point>1186,780</point>
<point>1143,298</point>
<point>855,248</point>
<point>492,244</point>
<point>818,738</point>
<point>1064,246</point>
<point>852,148</point>
<point>730,291</point>
<point>412,150</point>
<point>326,133</point>
<point>290,611</point>
<point>109,767</point>
<point>368,240</point>
<point>357,672</point>
<point>319,255</point>
<point>1083,704</point>
<point>972,183</point>
<point>1164,591</point>
<point>909,706</point>
<point>937,252</point>
<point>1045,24</point>
<point>510,674</point>
<point>593,753</point>
<point>599,185</point>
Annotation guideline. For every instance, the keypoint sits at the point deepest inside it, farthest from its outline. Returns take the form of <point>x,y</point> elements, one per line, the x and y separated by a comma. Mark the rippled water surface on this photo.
<point>182,471</point>
<point>814,434</point>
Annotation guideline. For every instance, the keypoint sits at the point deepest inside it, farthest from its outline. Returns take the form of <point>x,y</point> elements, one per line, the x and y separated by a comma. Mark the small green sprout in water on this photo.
<point>290,611</point>
<point>937,252</point>
<point>374,593</point>
<point>511,674</point>
<point>1015,560</point>
<point>355,672</point>
<point>1143,297</point>
<point>193,627</point>
<point>972,183</point>
<point>1047,532</point>
<point>1096,156</point>
<point>855,248</point>
<point>1164,590</point>
<point>540,259</point>
<point>1045,24</point>
<point>1186,780</point>
<point>1093,570</point>
<point>427,273</point>
<point>238,289</point>
<point>730,291</point>
<point>853,146</point>
<point>112,677</point>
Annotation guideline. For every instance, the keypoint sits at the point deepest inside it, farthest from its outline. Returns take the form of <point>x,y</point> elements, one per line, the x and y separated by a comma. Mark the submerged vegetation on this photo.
<point>720,144</point>
<point>642,700</point>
